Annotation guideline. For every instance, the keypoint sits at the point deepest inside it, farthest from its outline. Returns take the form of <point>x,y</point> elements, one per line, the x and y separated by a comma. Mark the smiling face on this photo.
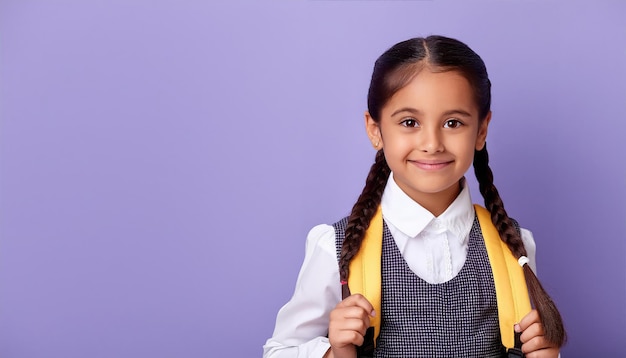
<point>429,130</point>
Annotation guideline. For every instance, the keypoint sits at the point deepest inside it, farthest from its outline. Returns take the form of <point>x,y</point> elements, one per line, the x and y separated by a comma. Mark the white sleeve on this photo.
<point>302,324</point>
<point>529,244</point>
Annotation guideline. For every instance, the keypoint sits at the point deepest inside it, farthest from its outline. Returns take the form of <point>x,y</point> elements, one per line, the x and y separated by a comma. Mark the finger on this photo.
<point>357,324</point>
<point>349,321</point>
<point>544,353</point>
<point>344,331</point>
<point>534,330</point>
<point>537,343</point>
<point>360,301</point>
<point>345,338</point>
<point>348,351</point>
<point>530,318</point>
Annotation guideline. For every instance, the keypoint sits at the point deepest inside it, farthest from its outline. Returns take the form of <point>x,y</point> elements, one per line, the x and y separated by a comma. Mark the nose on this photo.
<point>431,140</point>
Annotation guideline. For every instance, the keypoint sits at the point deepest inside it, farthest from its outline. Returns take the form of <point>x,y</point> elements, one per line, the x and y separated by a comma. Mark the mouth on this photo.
<point>430,165</point>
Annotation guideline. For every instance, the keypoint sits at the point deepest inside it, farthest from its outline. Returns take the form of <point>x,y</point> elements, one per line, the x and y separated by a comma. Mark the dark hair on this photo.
<point>393,70</point>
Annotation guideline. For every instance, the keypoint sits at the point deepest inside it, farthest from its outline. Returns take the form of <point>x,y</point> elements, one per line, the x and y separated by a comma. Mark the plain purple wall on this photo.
<point>163,161</point>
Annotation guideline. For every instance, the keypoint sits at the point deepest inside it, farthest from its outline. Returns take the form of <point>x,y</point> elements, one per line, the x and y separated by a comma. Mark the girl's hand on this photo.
<point>348,323</point>
<point>534,344</point>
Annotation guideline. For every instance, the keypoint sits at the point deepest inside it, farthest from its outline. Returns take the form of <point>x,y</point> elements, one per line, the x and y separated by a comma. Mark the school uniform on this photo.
<point>433,250</point>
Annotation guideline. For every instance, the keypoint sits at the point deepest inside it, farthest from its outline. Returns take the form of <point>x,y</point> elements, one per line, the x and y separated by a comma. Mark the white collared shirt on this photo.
<point>435,249</point>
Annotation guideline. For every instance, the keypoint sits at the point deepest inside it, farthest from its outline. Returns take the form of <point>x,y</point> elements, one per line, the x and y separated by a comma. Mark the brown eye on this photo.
<point>452,123</point>
<point>409,122</point>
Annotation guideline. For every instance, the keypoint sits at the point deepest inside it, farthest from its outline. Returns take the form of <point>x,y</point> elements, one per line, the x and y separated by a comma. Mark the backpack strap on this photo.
<point>365,275</point>
<point>510,283</point>
<point>508,277</point>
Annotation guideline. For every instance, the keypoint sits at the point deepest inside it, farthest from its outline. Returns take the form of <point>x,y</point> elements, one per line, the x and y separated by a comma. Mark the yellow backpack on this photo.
<point>508,276</point>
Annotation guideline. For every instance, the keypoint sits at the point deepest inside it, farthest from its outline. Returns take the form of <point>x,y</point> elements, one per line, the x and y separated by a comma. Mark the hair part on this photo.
<point>395,68</point>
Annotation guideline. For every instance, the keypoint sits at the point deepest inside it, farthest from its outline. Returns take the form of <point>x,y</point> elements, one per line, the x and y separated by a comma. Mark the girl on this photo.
<point>428,114</point>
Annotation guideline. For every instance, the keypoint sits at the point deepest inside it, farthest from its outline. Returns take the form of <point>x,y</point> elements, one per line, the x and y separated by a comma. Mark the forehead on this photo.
<point>430,91</point>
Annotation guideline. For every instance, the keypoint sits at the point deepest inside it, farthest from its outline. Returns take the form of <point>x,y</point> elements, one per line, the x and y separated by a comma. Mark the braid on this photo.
<point>494,204</point>
<point>362,213</point>
<point>549,314</point>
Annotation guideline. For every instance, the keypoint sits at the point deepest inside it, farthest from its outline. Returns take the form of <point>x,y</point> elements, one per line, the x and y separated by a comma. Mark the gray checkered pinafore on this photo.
<point>458,318</point>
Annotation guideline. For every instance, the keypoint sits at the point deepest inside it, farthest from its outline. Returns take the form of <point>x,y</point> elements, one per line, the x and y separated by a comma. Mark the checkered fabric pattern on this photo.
<point>458,318</point>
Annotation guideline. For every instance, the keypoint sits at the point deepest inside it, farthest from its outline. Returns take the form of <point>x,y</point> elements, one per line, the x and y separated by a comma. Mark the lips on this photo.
<point>431,164</point>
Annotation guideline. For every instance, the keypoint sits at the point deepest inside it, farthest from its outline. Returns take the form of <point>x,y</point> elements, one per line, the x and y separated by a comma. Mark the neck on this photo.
<point>437,203</point>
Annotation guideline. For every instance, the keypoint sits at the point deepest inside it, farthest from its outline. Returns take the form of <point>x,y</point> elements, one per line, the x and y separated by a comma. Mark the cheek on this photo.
<point>462,147</point>
<point>396,154</point>
<point>397,146</point>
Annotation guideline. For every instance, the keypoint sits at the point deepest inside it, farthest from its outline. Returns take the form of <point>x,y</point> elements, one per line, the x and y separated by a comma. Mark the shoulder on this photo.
<point>328,238</point>
<point>321,238</point>
<point>341,224</point>
<point>531,248</point>
<point>340,232</point>
<point>528,240</point>
<point>529,244</point>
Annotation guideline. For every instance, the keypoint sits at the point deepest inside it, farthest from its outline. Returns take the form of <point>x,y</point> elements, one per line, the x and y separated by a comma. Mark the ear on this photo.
<point>482,132</point>
<point>373,131</point>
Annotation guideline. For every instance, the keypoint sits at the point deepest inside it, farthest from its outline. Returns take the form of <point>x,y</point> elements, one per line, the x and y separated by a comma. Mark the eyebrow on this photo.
<point>406,109</point>
<point>446,113</point>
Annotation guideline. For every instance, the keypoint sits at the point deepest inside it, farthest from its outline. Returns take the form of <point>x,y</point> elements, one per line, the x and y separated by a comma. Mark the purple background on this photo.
<point>163,161</point>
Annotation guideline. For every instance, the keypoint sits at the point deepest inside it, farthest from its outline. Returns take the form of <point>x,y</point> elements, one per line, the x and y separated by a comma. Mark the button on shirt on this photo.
<point>435,249</point>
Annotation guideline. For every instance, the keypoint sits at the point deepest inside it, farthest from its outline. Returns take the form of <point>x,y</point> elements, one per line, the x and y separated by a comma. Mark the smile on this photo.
<point>430,165</point>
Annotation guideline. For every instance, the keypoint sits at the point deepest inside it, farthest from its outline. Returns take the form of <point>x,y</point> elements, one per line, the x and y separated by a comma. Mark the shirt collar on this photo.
<point>411,218</point>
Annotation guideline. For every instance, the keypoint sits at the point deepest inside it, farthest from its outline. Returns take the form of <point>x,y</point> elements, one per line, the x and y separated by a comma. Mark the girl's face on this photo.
<point>429,130</point>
